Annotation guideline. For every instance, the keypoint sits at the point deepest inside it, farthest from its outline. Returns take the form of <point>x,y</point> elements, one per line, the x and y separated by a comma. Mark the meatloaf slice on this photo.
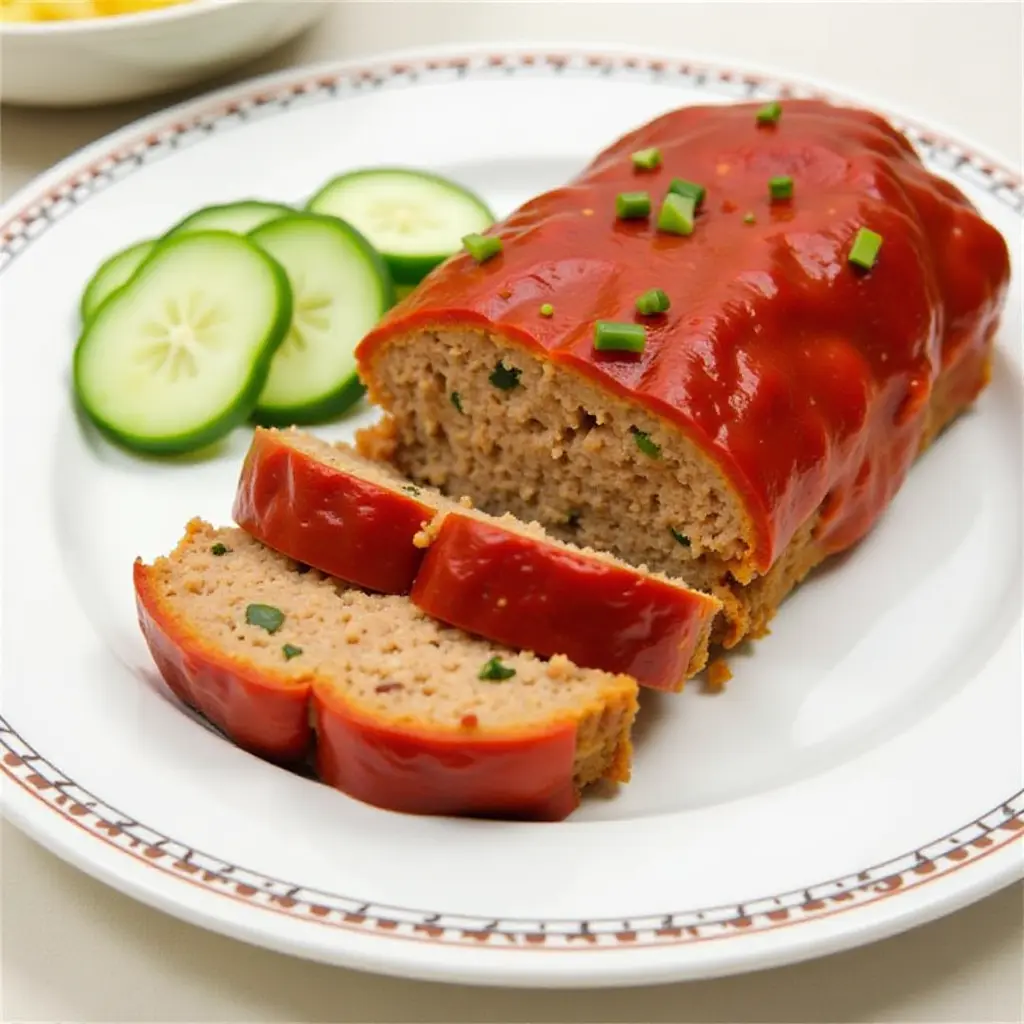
<point>329,507</point>
<point>779,401</point>
<point>408,714</point>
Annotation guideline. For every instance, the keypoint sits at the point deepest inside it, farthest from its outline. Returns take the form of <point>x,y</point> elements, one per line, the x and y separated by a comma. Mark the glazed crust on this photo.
<point>346,527</point>
<point>519,775</point>
<point>522,593</point>
<point>805,380</point>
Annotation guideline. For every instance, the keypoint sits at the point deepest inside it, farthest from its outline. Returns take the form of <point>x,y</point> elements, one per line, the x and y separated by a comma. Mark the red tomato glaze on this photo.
<point>804,377</point>
<point>354,529</point>
<point>516,777</point>
<point>266,716</point>
<point>529,594</point>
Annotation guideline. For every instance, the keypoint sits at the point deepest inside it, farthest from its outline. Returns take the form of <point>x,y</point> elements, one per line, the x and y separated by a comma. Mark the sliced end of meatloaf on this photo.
<point>559,449</point>
<point>410,714</point>
<point>513,582</point>
<point>556,448</point>
<point>328,506</point>
<point>499,578</point>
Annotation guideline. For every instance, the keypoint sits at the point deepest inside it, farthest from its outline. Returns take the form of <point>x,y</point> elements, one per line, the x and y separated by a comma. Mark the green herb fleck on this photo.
<point>864,250</point>
<point>688,190</point>
<point>411,489</point>
<point>780,187</point>
<point>769,113</point>
<point>266,616</point>
<point>481,247</point>
<point>496,672</point>
<point>632,205</point>
<point>646,445</point>
<point>615,337</point>
<point>680,538</point>
<point>547,309</point>
<point>219,549</point>
<point>749,218</point>
<point>505,377</point>
<point>290,651</point>
<point>654,300</point>
<point>456,400</point>
<point>677,214</point>
<point>647,159</point>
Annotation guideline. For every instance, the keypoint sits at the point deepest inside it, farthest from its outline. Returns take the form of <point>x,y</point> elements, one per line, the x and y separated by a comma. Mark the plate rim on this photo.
<point>32,776</point>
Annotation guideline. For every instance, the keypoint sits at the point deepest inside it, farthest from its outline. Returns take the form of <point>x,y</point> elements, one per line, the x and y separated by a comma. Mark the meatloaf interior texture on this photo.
<point>779,402</point>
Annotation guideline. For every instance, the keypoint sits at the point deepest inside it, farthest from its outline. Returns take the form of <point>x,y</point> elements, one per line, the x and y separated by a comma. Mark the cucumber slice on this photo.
<point>179,355</point>
<point>414,220</point>
<point>340,289</point>
<point>113,273</point>
<point>241,217</point>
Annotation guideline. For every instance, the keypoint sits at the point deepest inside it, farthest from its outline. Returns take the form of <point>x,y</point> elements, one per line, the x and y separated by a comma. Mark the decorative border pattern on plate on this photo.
<point>973,842</point>
<point>31,772</point>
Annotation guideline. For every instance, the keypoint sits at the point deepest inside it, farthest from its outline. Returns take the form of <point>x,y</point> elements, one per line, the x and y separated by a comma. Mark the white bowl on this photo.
<point>87,61</point>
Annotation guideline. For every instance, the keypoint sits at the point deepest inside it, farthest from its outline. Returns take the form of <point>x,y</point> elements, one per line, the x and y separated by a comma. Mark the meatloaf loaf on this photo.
<point>407,714</point>
<point>350,517</point>
<point>776,405</point>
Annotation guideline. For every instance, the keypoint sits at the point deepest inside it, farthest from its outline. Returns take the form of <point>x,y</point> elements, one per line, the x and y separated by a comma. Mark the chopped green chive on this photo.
<point>654,300</point>
<point>505,377</point>
<point>632,205</point>
<point>749,218</point>
<point>680,538</point>
<point>780,187</point>
<point>677,214</point>
<point>646,445</point>
<point>291,651</point>
<point>494,671</point>
<point>864,250</point>
<point>456,400</point>
<point>481,247</point>
<point>547,309</point>
<point>411,489</point>
<point>218,549</point>
<point>688,190</point>
<point>266,616</point>
<point>647,159</point>
<point>612,337</point>
<point>769,113</point>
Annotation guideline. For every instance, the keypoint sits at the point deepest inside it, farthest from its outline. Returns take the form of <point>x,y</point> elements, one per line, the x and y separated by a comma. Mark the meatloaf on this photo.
<point>407,714</point>
<point>350,517</point>
<point>776,405</point>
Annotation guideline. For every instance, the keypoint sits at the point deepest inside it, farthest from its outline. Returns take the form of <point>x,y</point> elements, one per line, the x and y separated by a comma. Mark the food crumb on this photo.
<point>559,667</point>
<point>719,674</point>
<point>469,721</point>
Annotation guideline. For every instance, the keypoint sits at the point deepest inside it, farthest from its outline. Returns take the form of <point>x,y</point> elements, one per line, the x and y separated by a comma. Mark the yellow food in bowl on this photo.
<point>64,10</point>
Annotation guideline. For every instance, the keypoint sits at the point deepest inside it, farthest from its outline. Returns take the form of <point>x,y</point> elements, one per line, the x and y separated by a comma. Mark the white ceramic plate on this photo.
<point>861,774</point>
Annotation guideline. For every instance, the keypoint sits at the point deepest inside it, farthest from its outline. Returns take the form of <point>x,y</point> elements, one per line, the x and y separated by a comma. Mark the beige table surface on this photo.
<point>73,950</point>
